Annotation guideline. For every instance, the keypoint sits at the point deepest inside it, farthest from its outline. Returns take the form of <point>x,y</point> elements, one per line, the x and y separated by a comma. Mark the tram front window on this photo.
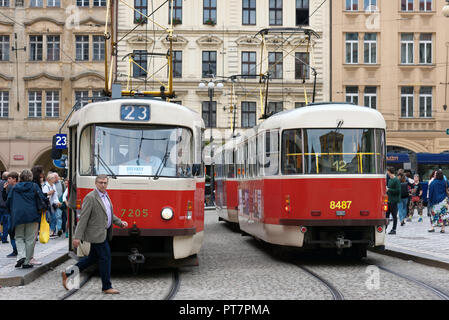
<point>136,151</point>
<point>333,151</point>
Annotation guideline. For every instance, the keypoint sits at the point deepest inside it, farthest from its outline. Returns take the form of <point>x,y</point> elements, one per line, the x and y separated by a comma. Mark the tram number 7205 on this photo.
<point>340,205</point>
<point>134,213</point>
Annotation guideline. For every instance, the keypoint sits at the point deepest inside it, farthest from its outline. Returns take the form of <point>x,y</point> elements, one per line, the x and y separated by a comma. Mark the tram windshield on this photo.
<point>136,151</point>
<point>333,151</point>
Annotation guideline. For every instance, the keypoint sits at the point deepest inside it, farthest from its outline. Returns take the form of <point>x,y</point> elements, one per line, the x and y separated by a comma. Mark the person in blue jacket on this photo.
<point>438,201</point>
<point>23,204</point>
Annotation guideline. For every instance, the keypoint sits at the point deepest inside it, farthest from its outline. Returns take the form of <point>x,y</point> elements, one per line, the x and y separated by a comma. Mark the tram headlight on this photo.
<point>167,213</point>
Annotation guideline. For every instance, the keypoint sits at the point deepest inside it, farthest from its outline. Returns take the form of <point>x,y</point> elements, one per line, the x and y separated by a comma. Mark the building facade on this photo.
<point>51,54</point>
<point>216,39</point>
<point>393,56</point>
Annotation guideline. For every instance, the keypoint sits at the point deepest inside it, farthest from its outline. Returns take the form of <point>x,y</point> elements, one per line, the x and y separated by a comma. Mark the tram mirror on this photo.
<point>196,169</point>
<point>56,154</point>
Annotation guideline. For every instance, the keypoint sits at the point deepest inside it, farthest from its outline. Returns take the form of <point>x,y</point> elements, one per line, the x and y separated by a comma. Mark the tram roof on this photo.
<point>325,115</point>
<point>161,112</point>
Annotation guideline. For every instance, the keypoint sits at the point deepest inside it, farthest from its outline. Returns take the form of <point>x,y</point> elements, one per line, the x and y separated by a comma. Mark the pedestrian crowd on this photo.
<point>406,194</point>
<point>25,197</point>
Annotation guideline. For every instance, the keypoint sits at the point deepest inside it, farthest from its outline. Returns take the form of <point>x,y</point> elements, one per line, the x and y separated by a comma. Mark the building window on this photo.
<point>275,12</point>
<point>209,113</point>
<point>370,5</point>
<point>406,5</point>
<point>4,3</point>
<point>98,48</point>
<point>352,5</point>
<point>81,97</point>
<point>275,65</point>
<point>52,104</point>
<point>53,48</point>
<point>249,63</point>
<point>35,48</point>
<point>177,12</point>
<point>370,48</point>
<point>425,102</point>
<point>97,93</point>
<point>34,104</point>
<point>407,48</point>
<point>4,48</point>
<point>249,12</point>
<point>425,48</point>
<point>248,114</point>
<point>177,64</point>
<point>19,3</point>
<point>275,107</point>
<point>299,105</point>
<point>82,3</point>
<point>302,69</point>
<point>4,104</point>
<point>141,6</point>
<point>209,64</point>
<point>140,65</point>
<point>352,94</point>
<point>425,5</point>
<point>407,102</point>
<point>54,3</point>
<point>210,12</point>
<point>302,12</point>
<point>99,3</point>
<point>370,97</point>
<point>352,48</point>
<point>36,3</point>
<point>82,48</point>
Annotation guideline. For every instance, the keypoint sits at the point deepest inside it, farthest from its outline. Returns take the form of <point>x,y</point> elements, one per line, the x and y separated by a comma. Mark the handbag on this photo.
<point>44,231</point>
<point>415,199</point>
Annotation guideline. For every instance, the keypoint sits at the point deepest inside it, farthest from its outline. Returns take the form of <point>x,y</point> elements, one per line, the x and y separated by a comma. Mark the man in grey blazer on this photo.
<point>95,226</point>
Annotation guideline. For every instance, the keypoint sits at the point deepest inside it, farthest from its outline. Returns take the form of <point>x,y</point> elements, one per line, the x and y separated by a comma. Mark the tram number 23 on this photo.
<point>340,205</point>
<point>134,213</point>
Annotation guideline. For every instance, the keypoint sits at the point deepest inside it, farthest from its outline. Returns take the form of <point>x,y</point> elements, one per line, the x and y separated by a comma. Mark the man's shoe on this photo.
<point>20,263</point>
<point>59,233</point>
<point>402,223</point>
<point>27,266</point>
<point>111,291</point>
<point>12,254</point>
<point>64,280</point>
<point>5,241</point>
<point>392,232</point>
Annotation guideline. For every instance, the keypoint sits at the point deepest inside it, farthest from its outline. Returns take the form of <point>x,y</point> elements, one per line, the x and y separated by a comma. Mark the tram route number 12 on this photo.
<point>134,213</point>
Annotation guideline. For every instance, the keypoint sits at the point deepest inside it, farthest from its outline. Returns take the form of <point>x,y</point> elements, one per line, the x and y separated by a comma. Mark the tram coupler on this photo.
<point>136,259</point>
<point>343,243</point>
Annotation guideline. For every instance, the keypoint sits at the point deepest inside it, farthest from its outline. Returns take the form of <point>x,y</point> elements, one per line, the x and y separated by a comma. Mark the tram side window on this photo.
<point>245,159</point>
<point>339,151</point>
<point>271,161</point>
<point>260,152</point>
<point>85,152</point>
<point>381,151</point>
<point>292,152</point>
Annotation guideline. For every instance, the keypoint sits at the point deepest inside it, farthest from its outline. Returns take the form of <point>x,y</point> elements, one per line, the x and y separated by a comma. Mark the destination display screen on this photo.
<point>135,112</point>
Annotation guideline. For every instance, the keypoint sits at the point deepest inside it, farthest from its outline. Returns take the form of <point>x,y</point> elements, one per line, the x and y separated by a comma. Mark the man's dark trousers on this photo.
<point>101,253</point>
<point>4,219</point>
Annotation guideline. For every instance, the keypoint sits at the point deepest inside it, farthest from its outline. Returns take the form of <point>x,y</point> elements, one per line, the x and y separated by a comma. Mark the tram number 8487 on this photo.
<point>340,205</point>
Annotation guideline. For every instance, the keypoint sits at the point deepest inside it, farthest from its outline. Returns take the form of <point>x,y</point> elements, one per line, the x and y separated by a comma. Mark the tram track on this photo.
<point>175,284</point>
<point>434,290</point>
<point>336,294</point>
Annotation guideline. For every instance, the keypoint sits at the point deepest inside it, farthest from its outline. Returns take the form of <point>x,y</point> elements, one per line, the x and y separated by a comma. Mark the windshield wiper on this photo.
<point>103,163</point>
<point>339,125</point>
<point>163,163</point>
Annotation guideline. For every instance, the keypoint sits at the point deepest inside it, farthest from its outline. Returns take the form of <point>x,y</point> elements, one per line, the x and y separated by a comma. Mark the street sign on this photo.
<point>61,141</point>
<point>61,163</point>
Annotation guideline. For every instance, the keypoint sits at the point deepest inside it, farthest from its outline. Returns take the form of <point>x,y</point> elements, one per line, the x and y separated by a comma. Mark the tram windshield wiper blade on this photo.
<point>103,163</point>
<point>163,163</point>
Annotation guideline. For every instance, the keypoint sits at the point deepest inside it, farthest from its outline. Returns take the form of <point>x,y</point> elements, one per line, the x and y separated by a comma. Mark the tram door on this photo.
<point>73,155</point>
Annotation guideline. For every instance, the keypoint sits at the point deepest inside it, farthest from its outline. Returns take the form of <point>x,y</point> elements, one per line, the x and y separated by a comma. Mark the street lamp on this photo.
<point>210,89</point>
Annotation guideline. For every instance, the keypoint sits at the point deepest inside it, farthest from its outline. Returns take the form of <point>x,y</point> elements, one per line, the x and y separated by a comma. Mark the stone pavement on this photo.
<point>50,254</point>
<point>411,242</point>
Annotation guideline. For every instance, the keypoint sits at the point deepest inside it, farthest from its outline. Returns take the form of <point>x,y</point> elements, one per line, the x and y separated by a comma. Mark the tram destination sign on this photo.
<point>131,112</point>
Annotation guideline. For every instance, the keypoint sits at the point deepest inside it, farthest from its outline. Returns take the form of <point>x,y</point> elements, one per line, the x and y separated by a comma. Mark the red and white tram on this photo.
<point>313,177</point>
<point>151,151</point>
